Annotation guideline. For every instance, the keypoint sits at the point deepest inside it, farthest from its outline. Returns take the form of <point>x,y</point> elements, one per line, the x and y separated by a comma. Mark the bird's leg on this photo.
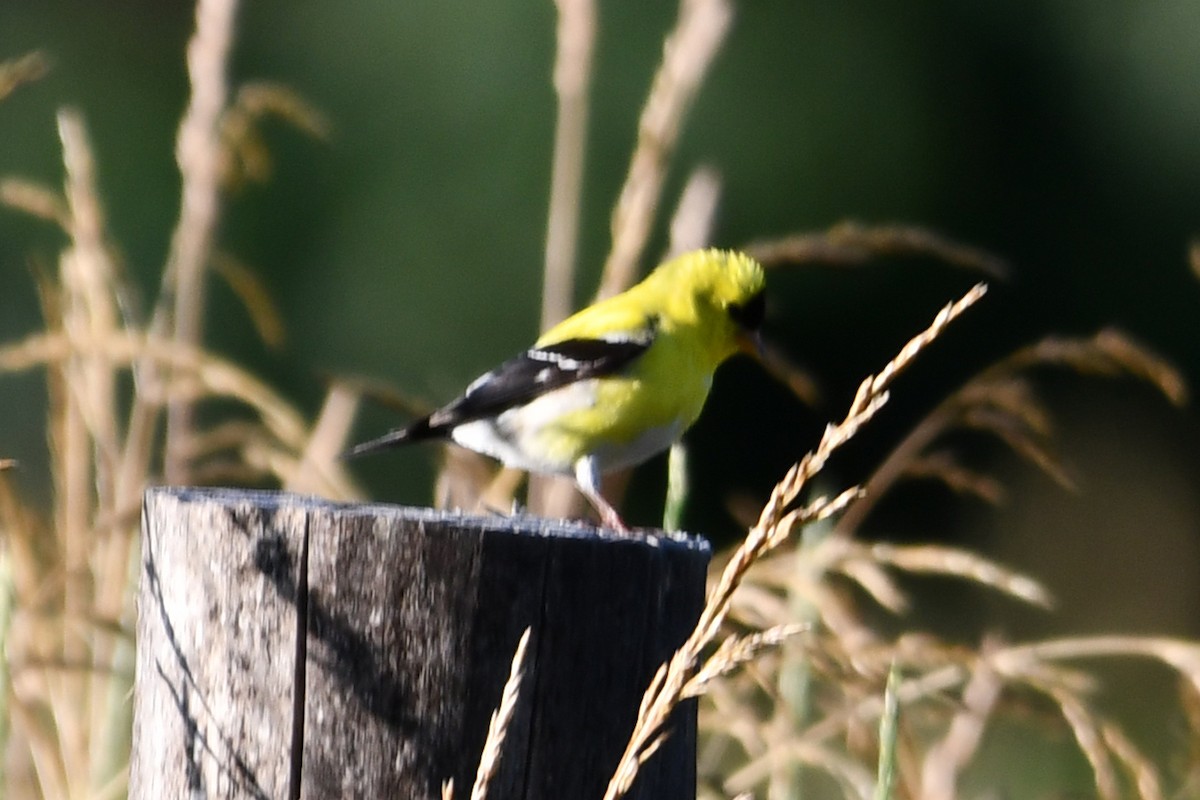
<point>587,476</point>
<point>609,516</point>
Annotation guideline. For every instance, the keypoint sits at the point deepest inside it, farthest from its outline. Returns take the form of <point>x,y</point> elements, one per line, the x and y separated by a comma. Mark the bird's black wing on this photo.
<point>517,381</point>
<point>537,371</point>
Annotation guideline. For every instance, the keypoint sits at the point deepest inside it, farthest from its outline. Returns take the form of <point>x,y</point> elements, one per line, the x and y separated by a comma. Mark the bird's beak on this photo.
<point>750,343</point>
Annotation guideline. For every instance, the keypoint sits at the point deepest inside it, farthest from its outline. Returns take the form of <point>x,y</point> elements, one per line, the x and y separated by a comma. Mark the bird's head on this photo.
<point>726,293</point>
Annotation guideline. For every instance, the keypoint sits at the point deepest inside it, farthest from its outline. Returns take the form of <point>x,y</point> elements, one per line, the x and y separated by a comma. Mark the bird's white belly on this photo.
<point>512,437</point>
<point>650,443</point>
<point>519,437</point>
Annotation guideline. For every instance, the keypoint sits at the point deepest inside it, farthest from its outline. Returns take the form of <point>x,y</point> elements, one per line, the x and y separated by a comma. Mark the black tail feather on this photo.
<point>419,430</point>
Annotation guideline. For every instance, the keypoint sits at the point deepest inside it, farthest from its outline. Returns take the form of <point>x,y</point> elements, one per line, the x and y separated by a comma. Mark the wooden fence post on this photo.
<point>291,647</point>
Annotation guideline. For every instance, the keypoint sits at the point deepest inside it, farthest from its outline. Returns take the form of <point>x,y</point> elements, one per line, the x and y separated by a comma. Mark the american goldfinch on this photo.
<point>612,385</point>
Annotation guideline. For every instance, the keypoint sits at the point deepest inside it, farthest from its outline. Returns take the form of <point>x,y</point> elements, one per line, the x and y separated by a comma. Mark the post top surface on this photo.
<point>521,524</point>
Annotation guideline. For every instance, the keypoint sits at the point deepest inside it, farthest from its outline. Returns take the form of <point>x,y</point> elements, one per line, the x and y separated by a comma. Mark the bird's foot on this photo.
<point>609,518</point>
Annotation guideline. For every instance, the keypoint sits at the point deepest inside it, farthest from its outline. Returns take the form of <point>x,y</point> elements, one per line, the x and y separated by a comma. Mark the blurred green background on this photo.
<point>1061,136</point>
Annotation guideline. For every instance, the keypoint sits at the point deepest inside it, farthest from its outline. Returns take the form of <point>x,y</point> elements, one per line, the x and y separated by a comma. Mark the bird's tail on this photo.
<point>419,430</point>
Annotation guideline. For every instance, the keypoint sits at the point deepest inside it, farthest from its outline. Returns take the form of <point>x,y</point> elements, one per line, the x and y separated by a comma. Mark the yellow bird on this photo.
<point>611,385</point>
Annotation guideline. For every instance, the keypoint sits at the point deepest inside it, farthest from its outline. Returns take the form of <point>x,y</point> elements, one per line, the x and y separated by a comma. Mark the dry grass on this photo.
<point>790,635</point>
<point>489,759</point>
<point>501,717</point>
<point>688,52</point>
<point>20,71</point>
<point>790,669</point>
<point>806,707</point>
<point>68,574</point>
<point>572,79</point>
<point>852,243</point>
<point>688,674</point>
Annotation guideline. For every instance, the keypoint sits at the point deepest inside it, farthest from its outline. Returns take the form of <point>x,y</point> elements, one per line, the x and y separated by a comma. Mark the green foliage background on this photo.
<point>1059,135</point>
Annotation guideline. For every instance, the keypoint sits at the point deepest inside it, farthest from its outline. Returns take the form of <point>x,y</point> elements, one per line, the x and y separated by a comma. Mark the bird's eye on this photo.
<point>750,315</point>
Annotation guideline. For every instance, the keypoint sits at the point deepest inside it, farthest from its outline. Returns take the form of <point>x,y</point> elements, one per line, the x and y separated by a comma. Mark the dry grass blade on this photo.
<point>85,451</point>
<point>249,287</point>
<point>780,366</point>
<point>1110,353</point>
<point>1034,666</point>
<point>572,77</point>
<point>691,224</point>
<point>738,650</point>
<point>1020,440</point>
<point>943,467</point>
<point>855,779</point>
<point>384,394</point>
<point>319,470</point>
<point>88,306</point>
<point>1087,735</point>
<point>723,712</point>
<point>468,480</point>
<point>854,243</point>
<point>945,759</point>
<point>245,156</point>
<point>1189,701</point>
<point>199,154</point>
<point>1141,769</point>
<point>876,582</point>
<point>687,53</point>
<point>1181,655</point>
<point>19,71</point>
<point>840,554</point>
<point>206,374</point>
<point>24,539</point>
<point>922,340</point>
<point>667,689</point>
<point>268,99</point>
<point>35,199</point>
<point>1001,401</point>
<point>1130,357</point>
<point>489,760</point>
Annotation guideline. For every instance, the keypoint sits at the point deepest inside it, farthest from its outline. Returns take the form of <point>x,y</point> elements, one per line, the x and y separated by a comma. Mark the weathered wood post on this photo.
<point>292,647</point>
